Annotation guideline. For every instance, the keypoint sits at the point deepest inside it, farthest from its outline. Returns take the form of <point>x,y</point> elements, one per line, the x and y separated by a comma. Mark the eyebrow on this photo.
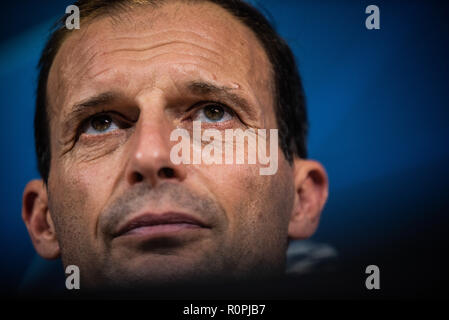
<point>203,88</point>
<point>78,110</point>
<point>95,101</point>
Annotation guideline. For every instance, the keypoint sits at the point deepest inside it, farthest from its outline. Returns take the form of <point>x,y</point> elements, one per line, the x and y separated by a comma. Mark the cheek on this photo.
<point>251,201</point>
<point>77,196</point>
<point>230,185</point>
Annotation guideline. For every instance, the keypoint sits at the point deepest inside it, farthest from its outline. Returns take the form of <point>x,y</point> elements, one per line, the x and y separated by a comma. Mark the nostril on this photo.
<point>137,177</point>
<point>166,173</point>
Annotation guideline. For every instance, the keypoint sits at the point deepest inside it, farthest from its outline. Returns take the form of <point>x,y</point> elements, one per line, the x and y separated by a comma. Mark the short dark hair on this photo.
<point>289,100</point>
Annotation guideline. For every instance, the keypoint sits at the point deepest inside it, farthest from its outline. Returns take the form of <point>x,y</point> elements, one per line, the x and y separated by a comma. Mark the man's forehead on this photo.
<point>221,36</point>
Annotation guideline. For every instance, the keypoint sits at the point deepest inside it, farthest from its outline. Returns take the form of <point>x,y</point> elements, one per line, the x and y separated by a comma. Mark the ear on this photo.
<point>311,190</point>
<point>36,215</point>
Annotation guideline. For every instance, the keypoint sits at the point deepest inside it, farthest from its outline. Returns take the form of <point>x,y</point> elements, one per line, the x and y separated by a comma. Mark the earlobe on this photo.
<point>37,218</point>
<point>311,191</point>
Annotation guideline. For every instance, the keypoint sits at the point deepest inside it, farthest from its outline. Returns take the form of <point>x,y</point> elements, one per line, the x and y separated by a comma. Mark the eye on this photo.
<point>213,113</point>
<point>101,123</point>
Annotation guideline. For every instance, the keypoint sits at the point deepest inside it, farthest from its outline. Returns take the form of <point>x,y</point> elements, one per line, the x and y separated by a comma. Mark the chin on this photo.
<point>153,274</point>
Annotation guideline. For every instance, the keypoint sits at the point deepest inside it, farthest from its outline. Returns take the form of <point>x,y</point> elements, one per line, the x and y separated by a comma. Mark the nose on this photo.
<point>150,155</point>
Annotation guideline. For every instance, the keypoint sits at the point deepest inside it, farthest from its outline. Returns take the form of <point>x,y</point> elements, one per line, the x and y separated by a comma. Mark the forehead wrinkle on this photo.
<point>204,36</point>
<point>152,47</point>
<point>164,34</point>
<point>110,75</point>
<point>75,57</point>
<point>161,40</point>
<point>147,52</point>
<point>158,14</point>
<point>89,65</point>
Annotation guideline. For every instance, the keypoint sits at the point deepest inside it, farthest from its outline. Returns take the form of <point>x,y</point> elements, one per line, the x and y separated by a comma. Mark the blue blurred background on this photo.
<point>379,116</point>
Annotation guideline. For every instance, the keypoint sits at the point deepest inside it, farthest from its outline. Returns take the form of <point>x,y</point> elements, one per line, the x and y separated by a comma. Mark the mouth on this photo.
<point>150,224</point>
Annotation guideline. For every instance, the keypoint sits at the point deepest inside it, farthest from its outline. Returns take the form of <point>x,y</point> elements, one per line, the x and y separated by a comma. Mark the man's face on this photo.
<point>148,71</point>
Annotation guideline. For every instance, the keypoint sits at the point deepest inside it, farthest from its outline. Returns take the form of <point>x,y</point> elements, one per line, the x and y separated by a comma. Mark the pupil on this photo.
<point>101,123</point>
<point>214,113</point>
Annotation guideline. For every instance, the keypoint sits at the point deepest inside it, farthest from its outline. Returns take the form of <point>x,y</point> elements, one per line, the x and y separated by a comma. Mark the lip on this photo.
<point>150,223</point>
